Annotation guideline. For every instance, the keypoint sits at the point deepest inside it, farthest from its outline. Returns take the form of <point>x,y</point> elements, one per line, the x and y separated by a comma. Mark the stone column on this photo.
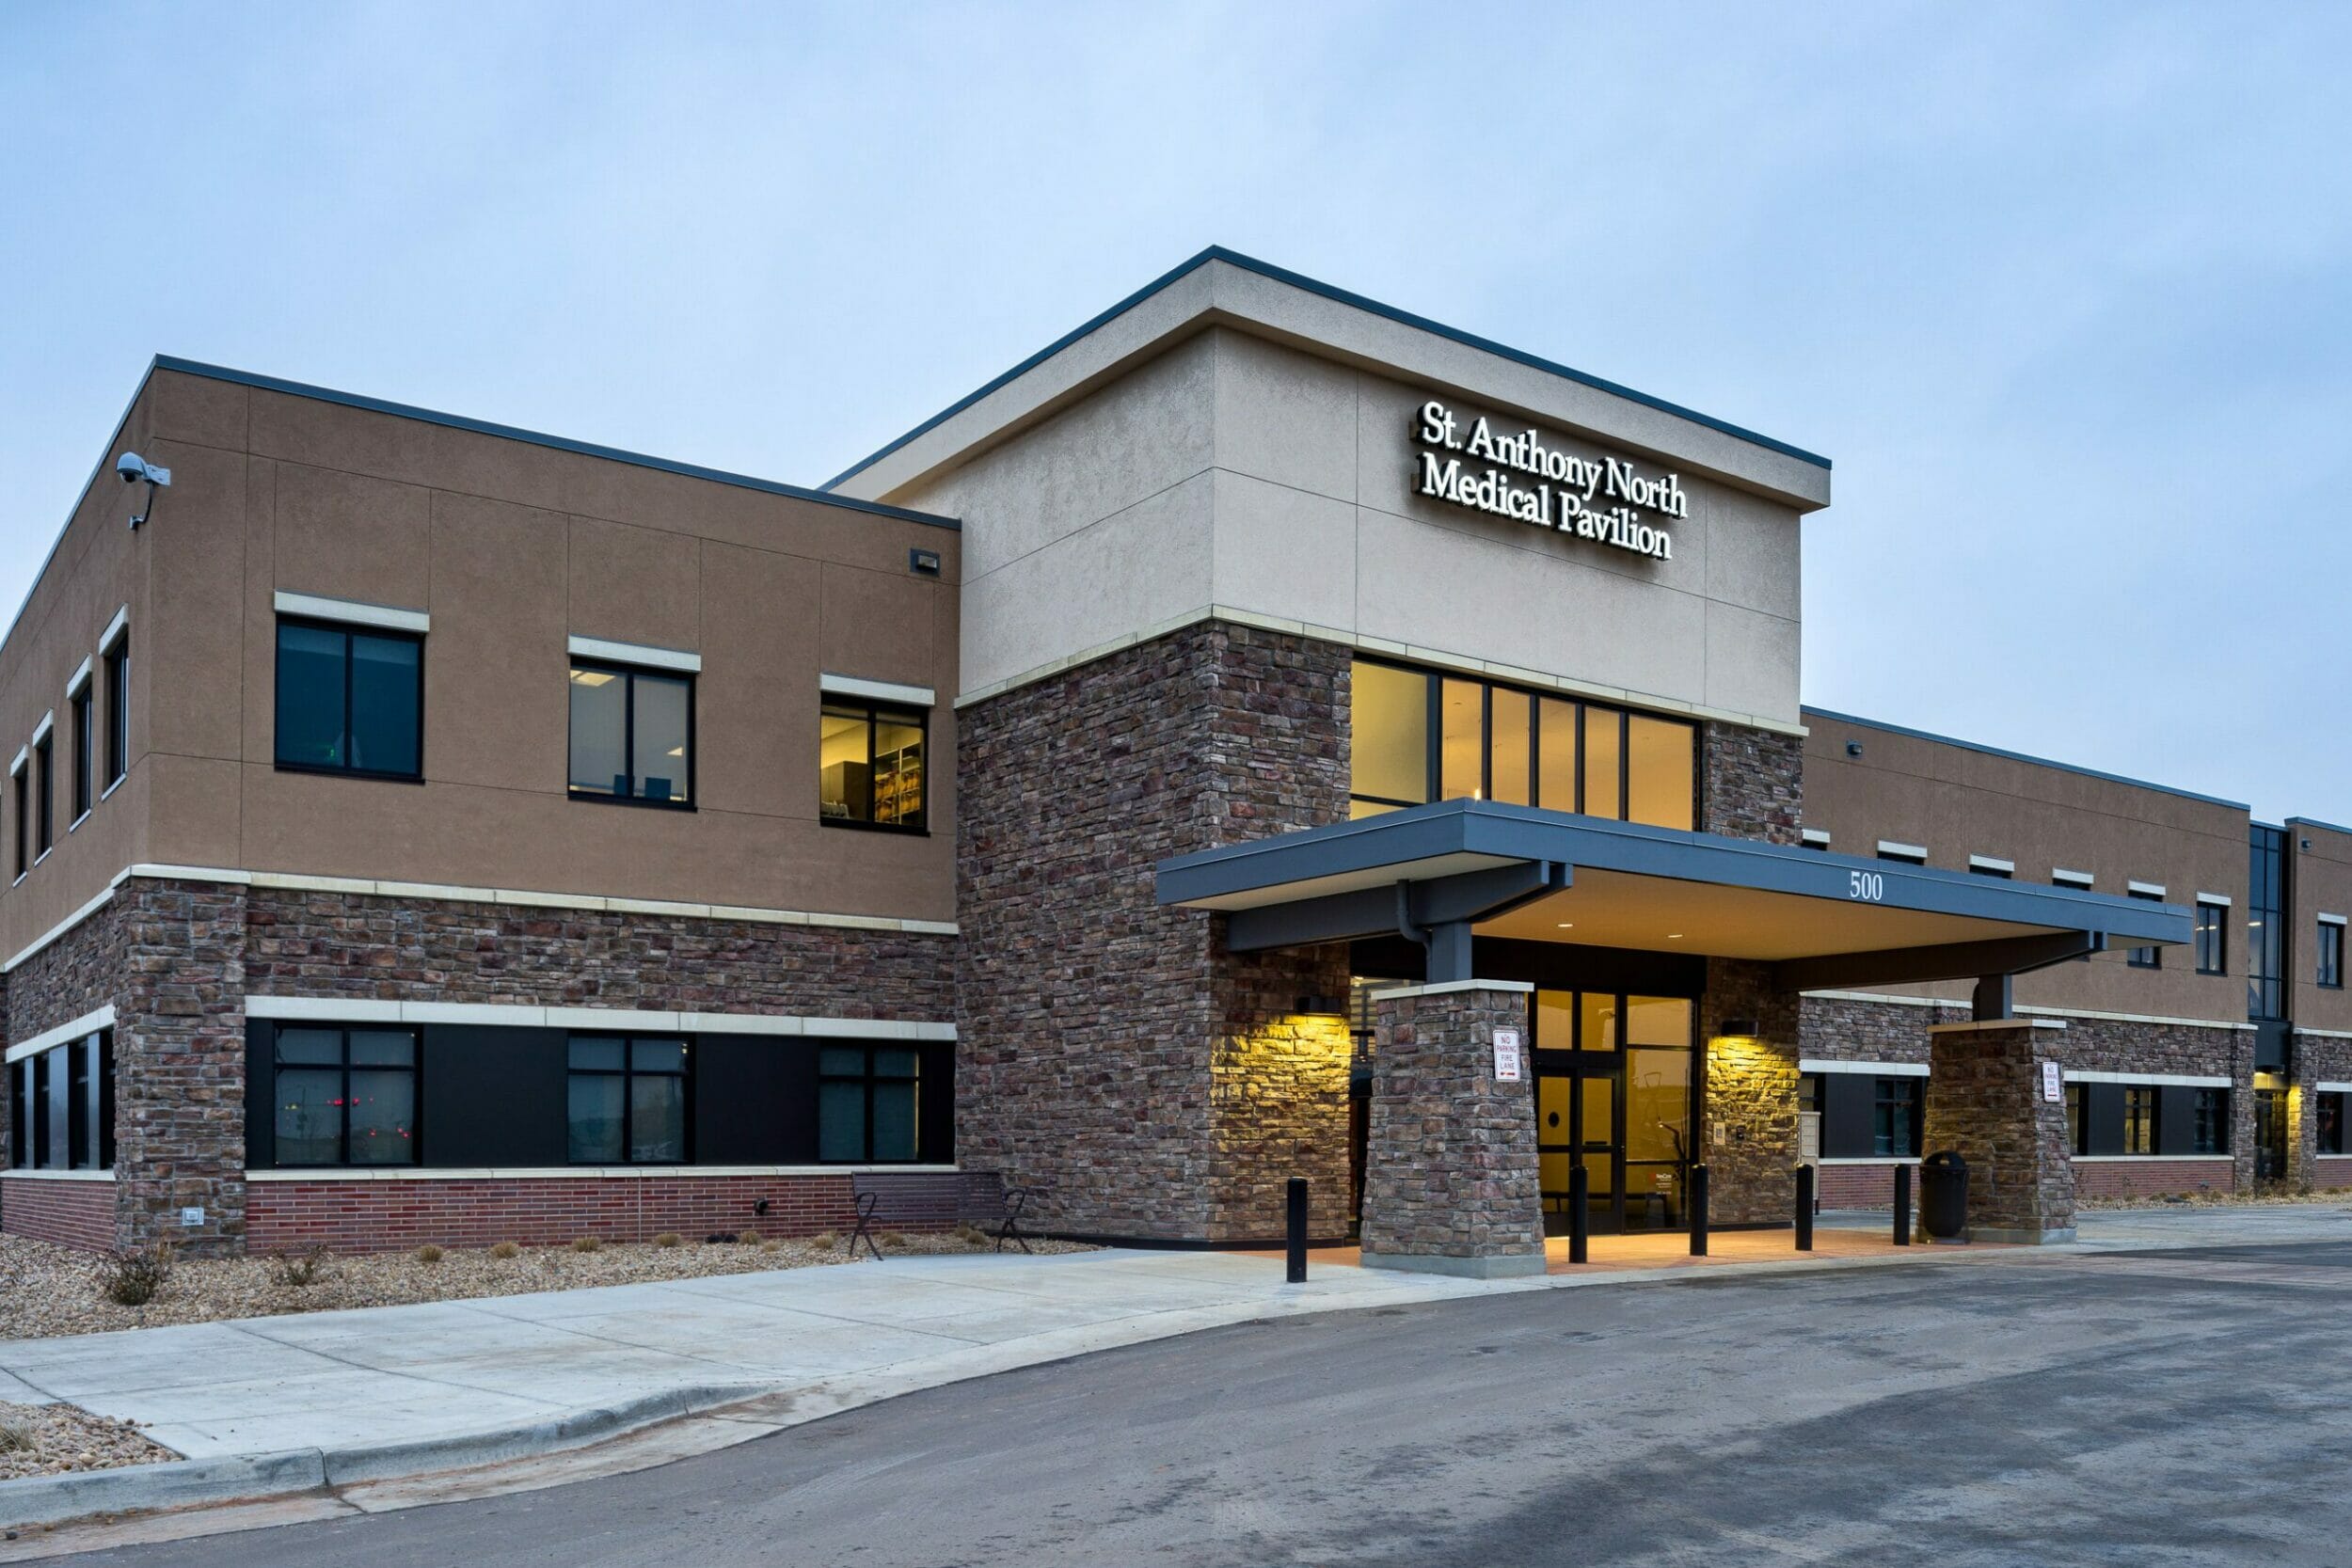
<point>1748,1120</point>
<point>1451,1185</point>
<point>1985,1100</point>
<point>180,1068</point>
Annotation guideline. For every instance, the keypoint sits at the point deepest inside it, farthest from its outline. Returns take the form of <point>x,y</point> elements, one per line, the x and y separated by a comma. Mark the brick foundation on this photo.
<point>2332,1170</point>
<point>1870,1186</point>
<point>2153,1177</point>
<point>1451,1176</point>
<point>72,1213</point>
<point>392,1216</point>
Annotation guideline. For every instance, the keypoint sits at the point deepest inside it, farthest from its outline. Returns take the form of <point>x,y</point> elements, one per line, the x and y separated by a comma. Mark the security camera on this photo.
<point>131,467</point>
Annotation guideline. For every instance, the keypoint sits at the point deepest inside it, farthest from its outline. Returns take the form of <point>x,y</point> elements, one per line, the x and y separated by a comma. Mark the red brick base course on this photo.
<point>75,1213</point>
<point>2332,1170</point>
<point>2152,1177</point>
<point>1860,1187</point>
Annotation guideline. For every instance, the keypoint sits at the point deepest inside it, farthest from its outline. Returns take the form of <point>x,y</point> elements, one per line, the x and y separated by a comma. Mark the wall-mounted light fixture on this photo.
<point>1320,1006</point>
<point>1738,1029</point>
<point>923,564</point>
<point>1853,748</point>
<point>132,468</point>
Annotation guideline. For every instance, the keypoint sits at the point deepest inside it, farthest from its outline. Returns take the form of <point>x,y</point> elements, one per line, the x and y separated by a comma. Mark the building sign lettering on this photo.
<point>1597,499</point>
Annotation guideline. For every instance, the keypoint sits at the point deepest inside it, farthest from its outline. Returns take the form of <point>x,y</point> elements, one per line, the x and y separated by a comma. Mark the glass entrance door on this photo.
<point>1613,1092</point>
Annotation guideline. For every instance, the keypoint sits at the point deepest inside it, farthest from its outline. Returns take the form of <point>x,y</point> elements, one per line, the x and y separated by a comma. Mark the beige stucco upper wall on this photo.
<point>511,549</point>
<point>1234,471</point>
<point>1955,800</point>
<point>2319,875</point>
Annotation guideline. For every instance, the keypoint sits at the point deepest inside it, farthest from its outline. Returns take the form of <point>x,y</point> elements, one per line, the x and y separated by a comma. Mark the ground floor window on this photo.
<point>2140,1118</point>
<point>2210,1121</point>
<point>866,1099</point>
<point>1896,1114</point>
<point>345,1097</point>
<point>61,1106</point>
<point>2330,1123</point>
<point>2077,1119</point>
<point>627,1101</point>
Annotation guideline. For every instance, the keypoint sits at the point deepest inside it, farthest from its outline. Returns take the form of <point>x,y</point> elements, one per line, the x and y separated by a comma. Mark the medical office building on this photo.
<point>1262,735</point>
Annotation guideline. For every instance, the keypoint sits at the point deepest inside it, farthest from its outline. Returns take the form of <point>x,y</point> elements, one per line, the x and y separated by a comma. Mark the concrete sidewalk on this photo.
<point>381,1393</point>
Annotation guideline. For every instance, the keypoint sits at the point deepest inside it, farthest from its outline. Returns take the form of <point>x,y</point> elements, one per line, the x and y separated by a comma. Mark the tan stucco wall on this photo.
<point>1231,470</point>
<point>1957,801</point>
<point>511,548</point>
<point>2320,879</point>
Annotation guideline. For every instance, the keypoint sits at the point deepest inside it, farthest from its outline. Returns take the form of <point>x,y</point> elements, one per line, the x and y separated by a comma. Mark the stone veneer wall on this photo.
<point>1985,1101</point>
<point>1749,1106</point>
<point>2317,1059</point>
<point>1112,1057</point>
<point>177,958</point>
<point>1451,1182</point>
<point>1751,783</point>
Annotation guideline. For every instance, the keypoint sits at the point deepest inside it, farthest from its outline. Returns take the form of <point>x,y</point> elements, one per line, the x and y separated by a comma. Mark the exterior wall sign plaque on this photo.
<point>2053,1086</point>
<point>1507,1056</point>
<point>1597,499</point>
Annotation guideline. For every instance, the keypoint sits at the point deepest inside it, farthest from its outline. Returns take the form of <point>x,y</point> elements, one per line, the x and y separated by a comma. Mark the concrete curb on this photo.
<point>176,1484</point>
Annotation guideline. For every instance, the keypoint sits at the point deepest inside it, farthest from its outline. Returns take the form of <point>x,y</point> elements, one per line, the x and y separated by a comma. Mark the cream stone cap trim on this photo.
<point>15,1175</point>
<point>1911,851</point>
<point>2152,889</point>
<point>1436,659</point>
<point>80,678</point>
<point>16,763</point>
<point>2162,1080</point>
<point>2043,1012</point>
<point>288,880</point>
<point>40,730</point>
<point>1876,1069</point>
<point>368,1009</point>
<point>881,691</point>
<point>570,1173</point>
<point>2332,1088</point>
<point>355,613</point>
<point>1979,1025</point>
<point>1991,863</point>
<point>1446,988</point>
<point>640,653</point>
<point>88,1023</point>
<point>2064,877</point>
<point>115,628</point>
<point>2161,1159</point>
<point>1814,836</point>
<point>2325,919</point>
<point>2221,899</point>
<point>1867,1160</point>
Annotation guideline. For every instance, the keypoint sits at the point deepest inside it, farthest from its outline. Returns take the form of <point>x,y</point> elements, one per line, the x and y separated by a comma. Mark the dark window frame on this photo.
<point>81,701</point>
<point>2330,956</point>
<point>2209,1124</point>
<point>343,1031</point>
<point>630,672</point>
<point>2213,937</point>
<point>628,1072</point>
<point>2143,1119</point>
<point>2328,1121</point>
<point>869,1078</point>
<point>1433,772</point>
<point>44,794</point>
<point>22,788</point>
<point>1896,1102</point>
<point>2150,957</point>
<point>873,710</point>
<point>116,656</point>
<point>347,631</point>
<point>2077,1119</point>
<point>86,1139</point>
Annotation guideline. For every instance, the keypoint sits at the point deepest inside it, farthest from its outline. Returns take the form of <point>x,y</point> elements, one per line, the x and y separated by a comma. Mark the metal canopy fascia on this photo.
<point>1367,872</point>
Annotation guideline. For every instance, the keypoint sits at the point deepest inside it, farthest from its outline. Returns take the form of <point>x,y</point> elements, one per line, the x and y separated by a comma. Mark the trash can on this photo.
<point>1943,1194</point>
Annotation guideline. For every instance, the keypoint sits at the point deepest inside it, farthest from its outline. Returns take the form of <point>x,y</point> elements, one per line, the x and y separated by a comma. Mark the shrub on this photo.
<point>506,1249</point>
<point>972,1235</point>
<point>429,1254</point>
<point>669,1238</point>
<point>298,1271</point>
<point>747,1238</point>
<point>136,1278</point>
<point>14,1439</point>
<point>771,1245</point>
<point>589,1243</point>
<point>824,1240</point>
<point>894,1237</point>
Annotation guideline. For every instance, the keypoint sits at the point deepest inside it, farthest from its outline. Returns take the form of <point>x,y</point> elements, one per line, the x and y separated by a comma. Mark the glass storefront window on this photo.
<point>1603,737</point>
<point>1510,756</point>
<point>1660,771</point>
<point>1389,746</point>
<point>1555,755</point>
<point>1461,752</point>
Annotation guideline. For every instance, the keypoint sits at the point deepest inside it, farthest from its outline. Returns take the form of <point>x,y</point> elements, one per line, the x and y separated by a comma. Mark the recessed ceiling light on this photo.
<point>1673,936</point>
<point>1568,925</point>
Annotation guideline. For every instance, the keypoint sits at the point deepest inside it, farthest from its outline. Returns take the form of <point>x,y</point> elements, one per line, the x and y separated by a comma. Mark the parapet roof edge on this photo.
<point>539,438</point>
<point>1342,296</point>
<point>2021,756</point>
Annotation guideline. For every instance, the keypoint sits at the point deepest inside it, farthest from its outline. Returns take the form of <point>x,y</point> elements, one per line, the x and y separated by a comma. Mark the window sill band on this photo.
<point>568,1173</point>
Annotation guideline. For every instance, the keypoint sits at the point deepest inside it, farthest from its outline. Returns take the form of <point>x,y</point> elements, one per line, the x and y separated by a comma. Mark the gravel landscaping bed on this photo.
<point>2334,1198</point>
<point>50,1439</point>
<point>47,1290</point>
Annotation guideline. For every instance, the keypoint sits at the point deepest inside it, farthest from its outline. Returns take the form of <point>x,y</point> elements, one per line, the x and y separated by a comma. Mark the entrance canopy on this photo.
<point>1440,874</point>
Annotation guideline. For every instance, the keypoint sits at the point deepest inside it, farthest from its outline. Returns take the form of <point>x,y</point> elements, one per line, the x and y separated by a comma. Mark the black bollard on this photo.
<point>1579,1217</point>
<point>1698,1210</point>
<point>1804,1208</point>
<point>1297,1220</point>
<point>1903,1205</point>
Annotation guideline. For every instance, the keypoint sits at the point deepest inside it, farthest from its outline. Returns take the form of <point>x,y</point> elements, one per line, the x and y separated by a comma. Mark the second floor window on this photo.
<point>118,709</point>
<point>85,751</point>
<point>2330,955</point>
<point>869,765</point>
<point>20,787</point>
<point>2146,958</point>
<point>2213,957</point>
<point>632,734</point>
<point>350,700</point>
<point>44,792</point>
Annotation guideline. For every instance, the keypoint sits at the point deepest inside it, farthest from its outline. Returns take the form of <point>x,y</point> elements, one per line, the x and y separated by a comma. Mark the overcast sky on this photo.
<point>2066,292</point>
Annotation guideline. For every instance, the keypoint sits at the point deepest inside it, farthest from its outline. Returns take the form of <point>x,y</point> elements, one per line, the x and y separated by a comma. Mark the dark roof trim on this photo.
<point>2021,756</point>
<point>1526,834</point>
<point>2315,822</point>
<point>560,443</point>
<point>1299,280</point>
